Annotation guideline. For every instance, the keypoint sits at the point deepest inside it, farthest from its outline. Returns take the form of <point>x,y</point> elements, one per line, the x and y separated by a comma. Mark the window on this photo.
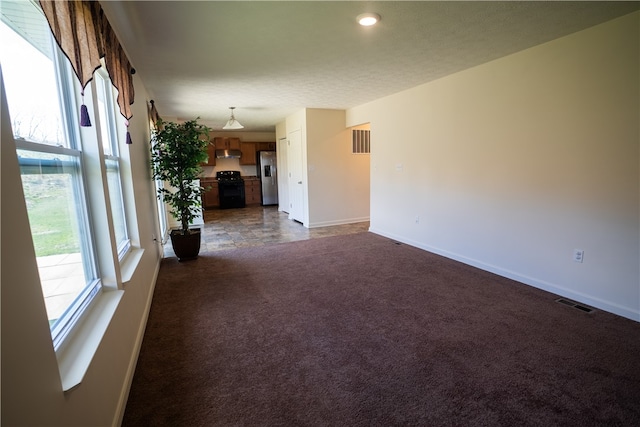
<point>162,212</point>
<point>54,196</point>
<point>40,89</point>
<point>106,117</point>
<point>30,76</point>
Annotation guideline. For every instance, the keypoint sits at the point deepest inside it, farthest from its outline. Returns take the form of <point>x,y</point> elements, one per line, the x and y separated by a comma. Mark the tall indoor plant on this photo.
<point>177,152</point>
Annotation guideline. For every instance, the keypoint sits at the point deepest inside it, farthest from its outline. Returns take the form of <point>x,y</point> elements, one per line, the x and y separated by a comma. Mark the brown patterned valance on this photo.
<point>85,36</point>
<point>154,117</point>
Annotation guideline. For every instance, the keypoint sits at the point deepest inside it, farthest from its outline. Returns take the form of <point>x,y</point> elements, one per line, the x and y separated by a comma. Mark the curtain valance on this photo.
<point>85,36</point>
<point>154,117</point>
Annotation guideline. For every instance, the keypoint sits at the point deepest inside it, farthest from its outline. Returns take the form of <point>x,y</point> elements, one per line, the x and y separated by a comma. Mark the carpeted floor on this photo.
<point>360,331</point>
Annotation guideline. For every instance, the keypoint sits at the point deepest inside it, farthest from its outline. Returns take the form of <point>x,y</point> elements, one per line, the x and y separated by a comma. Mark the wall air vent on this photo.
<point>360,141</point>
<point>575,305</point>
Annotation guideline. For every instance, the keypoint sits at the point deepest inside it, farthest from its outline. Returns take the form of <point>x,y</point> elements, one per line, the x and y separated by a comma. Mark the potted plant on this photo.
<point>177,152</point>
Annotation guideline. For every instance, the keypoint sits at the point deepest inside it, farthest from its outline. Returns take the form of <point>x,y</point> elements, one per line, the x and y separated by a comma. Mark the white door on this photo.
<point>283,175</point>
<point>296,189</point>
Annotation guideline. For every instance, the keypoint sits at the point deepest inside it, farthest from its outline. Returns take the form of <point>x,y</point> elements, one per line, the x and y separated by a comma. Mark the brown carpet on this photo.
<point>360,331</point>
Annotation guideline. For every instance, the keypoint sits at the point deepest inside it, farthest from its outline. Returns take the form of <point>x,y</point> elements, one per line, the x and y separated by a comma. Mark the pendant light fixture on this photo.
<point>233,123</point>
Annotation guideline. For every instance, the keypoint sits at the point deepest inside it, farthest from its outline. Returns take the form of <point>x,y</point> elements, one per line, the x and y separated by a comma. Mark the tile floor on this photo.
<point>259,226</point>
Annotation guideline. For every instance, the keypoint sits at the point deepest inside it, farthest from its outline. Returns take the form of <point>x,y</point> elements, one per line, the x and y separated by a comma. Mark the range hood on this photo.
<point>228,154</point>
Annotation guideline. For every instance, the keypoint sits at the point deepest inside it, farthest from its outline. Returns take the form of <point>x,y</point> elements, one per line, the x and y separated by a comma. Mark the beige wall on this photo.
<point>31,386</point>
<point>512,165</point>
<point>338,180</point>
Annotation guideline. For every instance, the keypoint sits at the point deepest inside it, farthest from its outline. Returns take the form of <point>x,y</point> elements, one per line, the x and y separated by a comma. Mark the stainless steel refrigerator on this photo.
<point>267,172</point>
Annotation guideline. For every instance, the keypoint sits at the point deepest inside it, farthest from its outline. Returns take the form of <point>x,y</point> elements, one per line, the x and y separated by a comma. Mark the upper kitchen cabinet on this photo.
<point>226,143</point>
<point>266,146</point>
<point>211,153</point>
<point>248,150</point>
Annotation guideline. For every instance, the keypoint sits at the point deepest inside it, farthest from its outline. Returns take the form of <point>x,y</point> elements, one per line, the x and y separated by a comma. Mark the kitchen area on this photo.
<point>239,173</point>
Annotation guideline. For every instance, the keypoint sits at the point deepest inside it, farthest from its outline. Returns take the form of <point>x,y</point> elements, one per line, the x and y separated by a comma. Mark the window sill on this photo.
<point>129,264</point>
<point>77,353</point>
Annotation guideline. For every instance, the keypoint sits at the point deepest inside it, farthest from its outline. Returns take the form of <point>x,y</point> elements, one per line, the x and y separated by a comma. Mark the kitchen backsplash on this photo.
<point>229,165</point>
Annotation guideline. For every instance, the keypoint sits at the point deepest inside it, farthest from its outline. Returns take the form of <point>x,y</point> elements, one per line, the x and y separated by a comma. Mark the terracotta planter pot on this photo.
<point>186,246</point>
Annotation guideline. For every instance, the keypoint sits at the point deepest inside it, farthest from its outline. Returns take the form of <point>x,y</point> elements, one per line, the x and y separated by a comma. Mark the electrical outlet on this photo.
<point>578,255</point>
<point>417,219</point>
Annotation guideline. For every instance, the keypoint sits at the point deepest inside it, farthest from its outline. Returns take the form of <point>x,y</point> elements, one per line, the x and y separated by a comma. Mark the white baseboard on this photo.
<point>527,280</point>
<point>124,394</point>
<point>338,222</point>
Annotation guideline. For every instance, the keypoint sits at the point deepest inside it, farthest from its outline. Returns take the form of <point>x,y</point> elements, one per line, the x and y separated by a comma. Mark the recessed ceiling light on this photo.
<point>368,19</point>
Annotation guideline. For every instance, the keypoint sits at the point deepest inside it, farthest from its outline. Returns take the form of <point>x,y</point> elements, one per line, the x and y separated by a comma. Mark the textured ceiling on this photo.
<point>270,59</point>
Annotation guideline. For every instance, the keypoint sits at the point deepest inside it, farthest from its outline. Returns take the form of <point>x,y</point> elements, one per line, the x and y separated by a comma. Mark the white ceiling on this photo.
<point>270,59</point>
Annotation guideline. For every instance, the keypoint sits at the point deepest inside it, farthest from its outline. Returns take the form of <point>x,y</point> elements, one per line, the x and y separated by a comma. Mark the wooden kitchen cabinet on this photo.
<point>252,191</point>
<point>248,150</point>
<point>210,197</point>
<point>266,146</point>
<point>211,152</point>
<point>226,143</point>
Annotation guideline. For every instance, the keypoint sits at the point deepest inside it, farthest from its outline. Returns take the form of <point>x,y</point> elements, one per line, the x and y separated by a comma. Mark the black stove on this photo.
<point>230,189</point>
<point>229,176</point>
